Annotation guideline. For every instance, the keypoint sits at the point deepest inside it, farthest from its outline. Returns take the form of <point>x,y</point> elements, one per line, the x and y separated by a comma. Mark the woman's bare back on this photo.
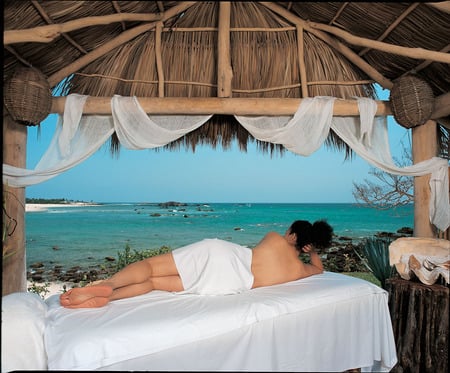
<point>275,261</point>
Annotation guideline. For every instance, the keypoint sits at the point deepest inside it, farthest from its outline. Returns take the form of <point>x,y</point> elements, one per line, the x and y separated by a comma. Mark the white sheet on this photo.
<point>327,322</point>
<point>23,324</point>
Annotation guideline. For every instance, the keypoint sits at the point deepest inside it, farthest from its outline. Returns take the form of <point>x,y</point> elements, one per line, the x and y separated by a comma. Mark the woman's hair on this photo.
<point>319,234</point>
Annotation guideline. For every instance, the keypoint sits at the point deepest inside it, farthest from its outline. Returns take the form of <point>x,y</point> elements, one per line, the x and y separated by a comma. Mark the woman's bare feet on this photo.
<point>86,297</point>
<point>91,303</point>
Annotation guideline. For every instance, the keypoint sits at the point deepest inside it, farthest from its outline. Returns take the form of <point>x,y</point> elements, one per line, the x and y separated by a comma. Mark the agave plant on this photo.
<point>376,258</point>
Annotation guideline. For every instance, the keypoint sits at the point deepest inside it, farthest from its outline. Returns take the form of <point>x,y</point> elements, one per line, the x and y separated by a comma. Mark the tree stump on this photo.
<point>420,318</point>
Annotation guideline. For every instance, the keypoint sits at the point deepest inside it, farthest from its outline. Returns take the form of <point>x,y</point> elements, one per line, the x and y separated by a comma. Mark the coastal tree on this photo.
<point>388,190</point>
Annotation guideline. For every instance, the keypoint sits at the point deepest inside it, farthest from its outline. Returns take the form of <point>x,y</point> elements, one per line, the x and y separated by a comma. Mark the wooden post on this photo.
<point>224,70</point>
<point>158,54</point>
<point>301,61</point>
<point>14,277</point>
<point>424,146</point>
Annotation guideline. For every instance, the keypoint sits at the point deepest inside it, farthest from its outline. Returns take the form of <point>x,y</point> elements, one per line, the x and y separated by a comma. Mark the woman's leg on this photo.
<point>138,272</point>
<point>165,283</point>
<point>134,279</point>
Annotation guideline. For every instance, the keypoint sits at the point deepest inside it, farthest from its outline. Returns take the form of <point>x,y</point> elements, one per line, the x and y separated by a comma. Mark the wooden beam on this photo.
<point>116,7</point>
<point>47,19</point>
<point>160,6</point>
<point>224,70</point>
<point>46,34</point>
<point>424,64</point>
<point>416,53</point>
<point>158,56</point>
<point>214,105</point>
<point>301,61</point>
<point>354,58</point>
<point>18,56</point>
<point>392,26</point>
<point>338,13</point>
<point>114,43</point>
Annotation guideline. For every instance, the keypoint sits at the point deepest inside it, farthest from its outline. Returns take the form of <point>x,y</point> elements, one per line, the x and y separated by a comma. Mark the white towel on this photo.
<point>214,267</point>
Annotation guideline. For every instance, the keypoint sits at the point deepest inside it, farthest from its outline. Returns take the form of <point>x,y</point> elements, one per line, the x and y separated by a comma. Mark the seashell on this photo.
<point>426,258</point>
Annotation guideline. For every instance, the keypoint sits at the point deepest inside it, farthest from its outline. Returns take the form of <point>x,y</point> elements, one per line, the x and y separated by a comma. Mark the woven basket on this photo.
<point>27,96</point>
<point>412,101</point>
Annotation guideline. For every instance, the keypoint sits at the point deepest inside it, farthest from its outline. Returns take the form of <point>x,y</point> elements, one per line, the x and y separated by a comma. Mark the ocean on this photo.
<point>85,235</point>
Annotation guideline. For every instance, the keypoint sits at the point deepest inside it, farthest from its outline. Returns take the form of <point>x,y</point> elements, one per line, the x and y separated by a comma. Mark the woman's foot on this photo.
<point>91,303</point>
<point>86,297</point>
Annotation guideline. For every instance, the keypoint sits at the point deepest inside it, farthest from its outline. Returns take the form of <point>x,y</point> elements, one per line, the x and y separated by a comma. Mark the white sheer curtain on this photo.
<point>137,130</point>
<point>77,137</point>
<point>302,134</point>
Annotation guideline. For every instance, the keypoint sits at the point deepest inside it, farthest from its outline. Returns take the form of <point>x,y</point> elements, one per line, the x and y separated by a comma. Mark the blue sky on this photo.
<point>208,175</point>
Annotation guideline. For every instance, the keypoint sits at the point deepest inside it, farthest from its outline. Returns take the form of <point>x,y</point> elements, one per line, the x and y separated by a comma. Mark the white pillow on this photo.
<point>23,323</point>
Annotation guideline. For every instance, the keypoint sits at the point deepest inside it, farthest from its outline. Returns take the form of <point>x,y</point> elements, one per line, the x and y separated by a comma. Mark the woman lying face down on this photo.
<point>213,267</point>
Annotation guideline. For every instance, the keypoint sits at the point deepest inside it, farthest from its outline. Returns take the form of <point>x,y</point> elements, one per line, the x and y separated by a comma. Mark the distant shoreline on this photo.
<point>36,207</point>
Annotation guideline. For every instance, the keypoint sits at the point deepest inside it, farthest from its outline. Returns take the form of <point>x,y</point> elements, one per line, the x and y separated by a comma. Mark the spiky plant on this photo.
<point>376,258</point>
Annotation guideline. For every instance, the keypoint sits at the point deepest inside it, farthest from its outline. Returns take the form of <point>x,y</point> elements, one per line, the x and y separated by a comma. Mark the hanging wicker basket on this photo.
<point>27,96</point>
<point>412,101</point>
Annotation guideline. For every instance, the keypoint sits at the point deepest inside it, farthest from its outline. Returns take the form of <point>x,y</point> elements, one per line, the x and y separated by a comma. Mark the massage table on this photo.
<point>327,322</point>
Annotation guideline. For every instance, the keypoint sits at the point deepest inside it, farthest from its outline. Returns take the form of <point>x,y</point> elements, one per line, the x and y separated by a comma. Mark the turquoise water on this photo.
<point>85,235</point>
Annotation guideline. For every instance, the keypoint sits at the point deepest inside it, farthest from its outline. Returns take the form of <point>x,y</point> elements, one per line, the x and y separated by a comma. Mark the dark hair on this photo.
<point>319,233</point>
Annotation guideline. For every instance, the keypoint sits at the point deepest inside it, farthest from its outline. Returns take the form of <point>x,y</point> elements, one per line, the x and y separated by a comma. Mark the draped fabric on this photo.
<point>137,130</point>
<point>77,137</point>
<point>302,134</point>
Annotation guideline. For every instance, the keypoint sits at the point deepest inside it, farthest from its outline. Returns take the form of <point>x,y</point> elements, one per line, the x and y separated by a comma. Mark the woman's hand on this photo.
<point>308,248</point>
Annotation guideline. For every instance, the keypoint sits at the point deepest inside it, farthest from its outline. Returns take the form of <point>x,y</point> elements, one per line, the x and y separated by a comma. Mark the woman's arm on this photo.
<point>316,265</point>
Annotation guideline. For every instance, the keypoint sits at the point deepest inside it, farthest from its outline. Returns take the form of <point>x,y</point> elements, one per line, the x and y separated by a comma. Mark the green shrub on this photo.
<point>375,257</point>
<point>40,289</point>
<point>368,276</point>
<point>129,256</point>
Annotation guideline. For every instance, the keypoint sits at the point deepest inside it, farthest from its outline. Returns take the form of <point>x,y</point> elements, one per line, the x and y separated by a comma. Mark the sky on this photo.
<point>208,175</point>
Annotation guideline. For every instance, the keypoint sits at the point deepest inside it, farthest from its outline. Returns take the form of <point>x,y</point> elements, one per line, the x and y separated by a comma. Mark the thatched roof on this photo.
<point>276,49</point>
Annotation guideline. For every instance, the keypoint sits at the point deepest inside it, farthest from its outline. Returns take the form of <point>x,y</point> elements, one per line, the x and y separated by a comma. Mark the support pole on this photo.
<point>224,70</point>
<point>301,61</point>
<point>14,277</point>
<point>424,146</point>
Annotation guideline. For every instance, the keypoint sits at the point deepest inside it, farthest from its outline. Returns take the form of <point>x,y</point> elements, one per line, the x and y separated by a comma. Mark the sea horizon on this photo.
<point>92,202</point>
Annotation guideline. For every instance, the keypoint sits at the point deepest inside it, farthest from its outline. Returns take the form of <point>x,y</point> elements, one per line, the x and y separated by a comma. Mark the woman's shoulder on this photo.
<point>273,236</point>
<point>270,240</point>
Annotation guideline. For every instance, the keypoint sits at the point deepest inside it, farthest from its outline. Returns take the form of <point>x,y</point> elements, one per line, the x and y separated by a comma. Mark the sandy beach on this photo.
<point>36,207</point>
